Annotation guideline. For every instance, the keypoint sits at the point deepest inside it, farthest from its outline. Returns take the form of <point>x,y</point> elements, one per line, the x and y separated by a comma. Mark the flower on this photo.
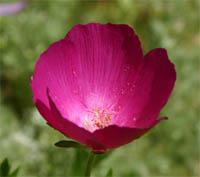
<point>96,87</point>
<point>11,8</point>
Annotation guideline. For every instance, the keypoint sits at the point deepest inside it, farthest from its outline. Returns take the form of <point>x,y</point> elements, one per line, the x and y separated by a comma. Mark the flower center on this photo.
<point>97,119</point>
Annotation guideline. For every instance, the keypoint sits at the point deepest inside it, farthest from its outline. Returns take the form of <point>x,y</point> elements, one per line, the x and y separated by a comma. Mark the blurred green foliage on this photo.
<point>5,169</point>
<point>170,149</point>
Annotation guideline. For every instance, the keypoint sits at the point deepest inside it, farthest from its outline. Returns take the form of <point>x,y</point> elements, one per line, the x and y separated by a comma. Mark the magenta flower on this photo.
<point>96,87</point>
<point>11,8</point>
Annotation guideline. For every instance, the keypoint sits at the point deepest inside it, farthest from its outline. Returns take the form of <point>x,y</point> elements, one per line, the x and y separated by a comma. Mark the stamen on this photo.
<point>98,119</point>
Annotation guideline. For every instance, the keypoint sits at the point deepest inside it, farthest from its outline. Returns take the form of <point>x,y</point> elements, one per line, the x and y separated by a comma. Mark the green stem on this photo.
<point>89,164</point>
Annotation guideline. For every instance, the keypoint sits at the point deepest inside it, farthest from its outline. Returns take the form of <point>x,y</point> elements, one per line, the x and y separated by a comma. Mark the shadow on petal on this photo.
<point>114,136</point>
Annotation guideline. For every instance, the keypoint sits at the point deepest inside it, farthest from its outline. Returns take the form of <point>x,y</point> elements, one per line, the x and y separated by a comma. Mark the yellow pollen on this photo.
<point>100,119</point>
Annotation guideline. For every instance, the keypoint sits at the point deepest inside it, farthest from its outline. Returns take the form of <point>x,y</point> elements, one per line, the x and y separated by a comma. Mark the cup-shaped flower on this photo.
<point>96,86</point>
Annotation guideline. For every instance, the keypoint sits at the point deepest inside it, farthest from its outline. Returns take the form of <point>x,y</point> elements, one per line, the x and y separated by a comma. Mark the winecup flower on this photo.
<point>96,86</point>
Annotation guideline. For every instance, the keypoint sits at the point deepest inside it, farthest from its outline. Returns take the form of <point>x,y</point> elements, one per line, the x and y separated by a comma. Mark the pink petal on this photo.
<point>52,73</point>
<point>71,130</point>
<point>114,136</point>
<point>152,90</point>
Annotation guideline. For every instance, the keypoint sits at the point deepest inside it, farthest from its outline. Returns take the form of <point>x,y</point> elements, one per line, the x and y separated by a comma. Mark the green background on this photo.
<point>170,149</point>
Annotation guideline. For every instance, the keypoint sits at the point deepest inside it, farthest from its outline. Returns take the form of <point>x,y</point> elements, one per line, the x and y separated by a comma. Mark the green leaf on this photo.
<point>4,168</point>
<point>110,173</point>
<point>14,173</point>
<point>71,144</point>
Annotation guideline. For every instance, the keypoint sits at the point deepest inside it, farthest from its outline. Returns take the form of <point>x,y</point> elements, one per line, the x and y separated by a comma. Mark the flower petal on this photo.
<point>114,136</point>
<point>152,90</point>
